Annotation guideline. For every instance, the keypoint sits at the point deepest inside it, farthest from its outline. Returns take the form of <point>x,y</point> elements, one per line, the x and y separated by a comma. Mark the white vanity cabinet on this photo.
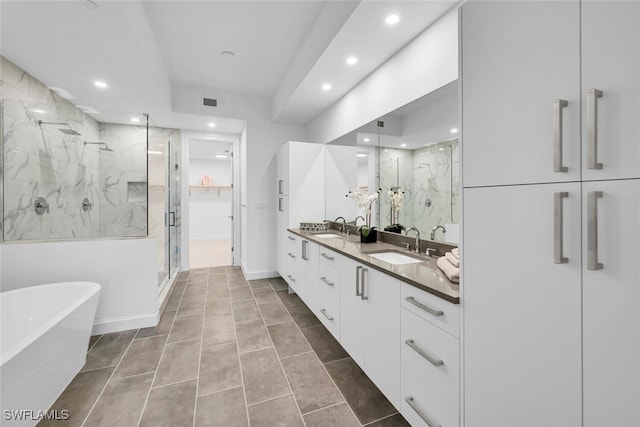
<point>370,324</point>
<point>430,354</point>
<point>327,285</point>
<point>307,271</point>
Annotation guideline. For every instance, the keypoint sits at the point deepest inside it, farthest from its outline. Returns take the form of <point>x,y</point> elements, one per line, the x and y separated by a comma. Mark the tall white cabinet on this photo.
<point>551,99</point>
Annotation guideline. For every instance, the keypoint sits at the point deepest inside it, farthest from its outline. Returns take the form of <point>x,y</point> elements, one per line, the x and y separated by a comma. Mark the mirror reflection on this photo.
<point>412,156</point>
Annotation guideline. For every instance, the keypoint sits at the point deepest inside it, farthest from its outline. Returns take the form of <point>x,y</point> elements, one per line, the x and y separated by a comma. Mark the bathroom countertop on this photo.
<point>424,275</point>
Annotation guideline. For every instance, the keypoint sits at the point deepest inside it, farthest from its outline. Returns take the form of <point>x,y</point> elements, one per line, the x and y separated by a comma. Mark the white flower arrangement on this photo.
<point>364,201</point>
<point>396,196</point>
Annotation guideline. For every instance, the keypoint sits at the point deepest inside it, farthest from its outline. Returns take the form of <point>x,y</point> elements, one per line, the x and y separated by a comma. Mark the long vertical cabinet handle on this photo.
<point>362,283</point>
<point>358,275</point>
<point>558,105</point>
<point>592,128</point>
<point>304,250</point>
<point>280,182</point>
<point>280,204</point>
<point>592,230</point>
<point>424,417</point>
<point>558,228</point>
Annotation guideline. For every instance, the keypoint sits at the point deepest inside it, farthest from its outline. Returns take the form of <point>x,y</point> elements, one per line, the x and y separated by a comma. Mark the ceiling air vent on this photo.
<point>210,102</point>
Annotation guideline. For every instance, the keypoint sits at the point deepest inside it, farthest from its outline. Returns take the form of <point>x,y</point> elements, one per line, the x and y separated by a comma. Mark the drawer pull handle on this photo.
<point>429,310</point>
<point>421,352</point>
<point>323,311</point>
<point>324,279</point>
<point>330,258</point>
<point>291,238</point>
<point>291,255</point>
<point>290,277</point>
<point>426,419</point>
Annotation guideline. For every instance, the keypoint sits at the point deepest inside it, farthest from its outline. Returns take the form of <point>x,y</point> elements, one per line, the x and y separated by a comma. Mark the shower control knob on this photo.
<point>86,205</point>
<point>41,206</point>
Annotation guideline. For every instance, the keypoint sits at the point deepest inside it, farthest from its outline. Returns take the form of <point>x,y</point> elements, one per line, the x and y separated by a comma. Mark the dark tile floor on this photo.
<point>227,352</point>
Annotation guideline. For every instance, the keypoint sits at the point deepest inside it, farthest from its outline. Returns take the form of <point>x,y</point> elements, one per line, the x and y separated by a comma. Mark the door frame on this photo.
<point>234,140</point>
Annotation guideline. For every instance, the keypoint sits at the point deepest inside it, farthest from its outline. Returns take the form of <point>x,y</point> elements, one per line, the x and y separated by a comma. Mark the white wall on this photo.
<point>428,62</point>
<point>258,191</point>
<point>209,208</point>
<point>126,270</point>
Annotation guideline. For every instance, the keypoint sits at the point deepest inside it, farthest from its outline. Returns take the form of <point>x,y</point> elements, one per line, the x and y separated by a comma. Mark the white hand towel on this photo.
<point>452,259</point>
<point>455,252</point>
<point>451,271</point>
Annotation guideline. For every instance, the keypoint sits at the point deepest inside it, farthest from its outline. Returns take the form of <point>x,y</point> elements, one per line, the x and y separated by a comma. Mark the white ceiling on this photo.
<point>143,48</point>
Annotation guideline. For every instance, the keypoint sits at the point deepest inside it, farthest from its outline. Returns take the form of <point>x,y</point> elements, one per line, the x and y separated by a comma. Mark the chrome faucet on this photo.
<point>355,221</point>
<point>417,238</point>
<point>436,228</point>
<point>344,224</point>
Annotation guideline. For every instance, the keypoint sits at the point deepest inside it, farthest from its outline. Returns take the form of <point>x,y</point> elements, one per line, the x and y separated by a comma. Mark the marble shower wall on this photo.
<point>430,178</point>
<point>42,161</point>
<point>123,180</point>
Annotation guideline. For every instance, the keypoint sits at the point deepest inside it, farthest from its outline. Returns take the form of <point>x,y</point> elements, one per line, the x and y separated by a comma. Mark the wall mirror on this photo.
<point>412,155</point>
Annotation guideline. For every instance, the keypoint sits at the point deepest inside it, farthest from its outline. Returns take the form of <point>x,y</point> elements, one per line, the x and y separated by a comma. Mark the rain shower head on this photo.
<point>103,146</point>
<point>67,131</point>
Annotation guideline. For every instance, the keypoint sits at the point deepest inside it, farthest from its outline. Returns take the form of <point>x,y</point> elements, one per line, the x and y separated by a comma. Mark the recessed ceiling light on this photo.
<point>135,119</point>
<point>100,84</point>
<point>392,19</point>
<point>361,155</point>
<point>367,139</point>
<point>386,151</point>
<point>326,87</point>
<point>221,156</point>
<point>403,145</point>
<point>441,149</point>
<point>227,54</point>
<point>38,111</point>
<point>454,130</point>
<point>212,125</point>
<point>154,152</point>
<point>352,60</point>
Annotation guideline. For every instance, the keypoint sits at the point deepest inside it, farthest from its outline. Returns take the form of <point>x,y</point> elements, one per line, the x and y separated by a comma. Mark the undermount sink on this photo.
<point>394,258</point>
<point>326,235</point>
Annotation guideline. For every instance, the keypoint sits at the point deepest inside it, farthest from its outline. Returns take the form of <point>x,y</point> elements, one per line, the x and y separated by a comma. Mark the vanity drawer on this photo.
<point>441,313</point>
<point>430,355</point>
<point>421,402</point>
<point>328,298</point>
<point>329,257</point>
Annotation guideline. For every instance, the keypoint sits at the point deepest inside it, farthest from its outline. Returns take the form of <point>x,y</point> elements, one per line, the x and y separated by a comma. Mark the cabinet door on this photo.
<point>282,240</point>
<point>306,183</point>
<point>611,64</point>
<point>518,58</point>
<point>352,310</point>
<point>522,312</point>
<point>611,297</point>
<point>282,171</point>
<point>381,296</point>
<point>309,266</point>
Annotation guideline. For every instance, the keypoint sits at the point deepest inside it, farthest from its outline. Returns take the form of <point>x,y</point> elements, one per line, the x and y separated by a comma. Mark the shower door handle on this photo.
<point>172,219</point>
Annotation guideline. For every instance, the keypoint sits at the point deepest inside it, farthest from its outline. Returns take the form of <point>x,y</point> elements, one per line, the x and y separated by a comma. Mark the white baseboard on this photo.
<point>255,275</point>
<point>117,324</point>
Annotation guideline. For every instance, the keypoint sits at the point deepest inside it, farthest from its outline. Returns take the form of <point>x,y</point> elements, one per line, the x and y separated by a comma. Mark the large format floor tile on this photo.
<point>170,406</point>
<point>223,409</point>
<point>226,352</point>
<point>367,402</point>
<point>121,402</point>
<point>263,376</point>
<point>277,412</point>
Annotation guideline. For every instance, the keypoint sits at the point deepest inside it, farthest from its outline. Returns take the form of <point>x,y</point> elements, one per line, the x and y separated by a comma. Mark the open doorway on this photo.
<point>210,203</point>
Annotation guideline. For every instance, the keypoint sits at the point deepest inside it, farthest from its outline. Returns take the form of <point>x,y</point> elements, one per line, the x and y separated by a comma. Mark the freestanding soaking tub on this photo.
<point>45,335</point>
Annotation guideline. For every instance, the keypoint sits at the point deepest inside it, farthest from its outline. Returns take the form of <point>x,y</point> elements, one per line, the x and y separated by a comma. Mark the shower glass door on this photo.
<point>173,204</point>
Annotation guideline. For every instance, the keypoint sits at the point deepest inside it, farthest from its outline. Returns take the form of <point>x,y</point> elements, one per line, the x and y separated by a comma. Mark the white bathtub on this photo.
<point>45,334</point>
